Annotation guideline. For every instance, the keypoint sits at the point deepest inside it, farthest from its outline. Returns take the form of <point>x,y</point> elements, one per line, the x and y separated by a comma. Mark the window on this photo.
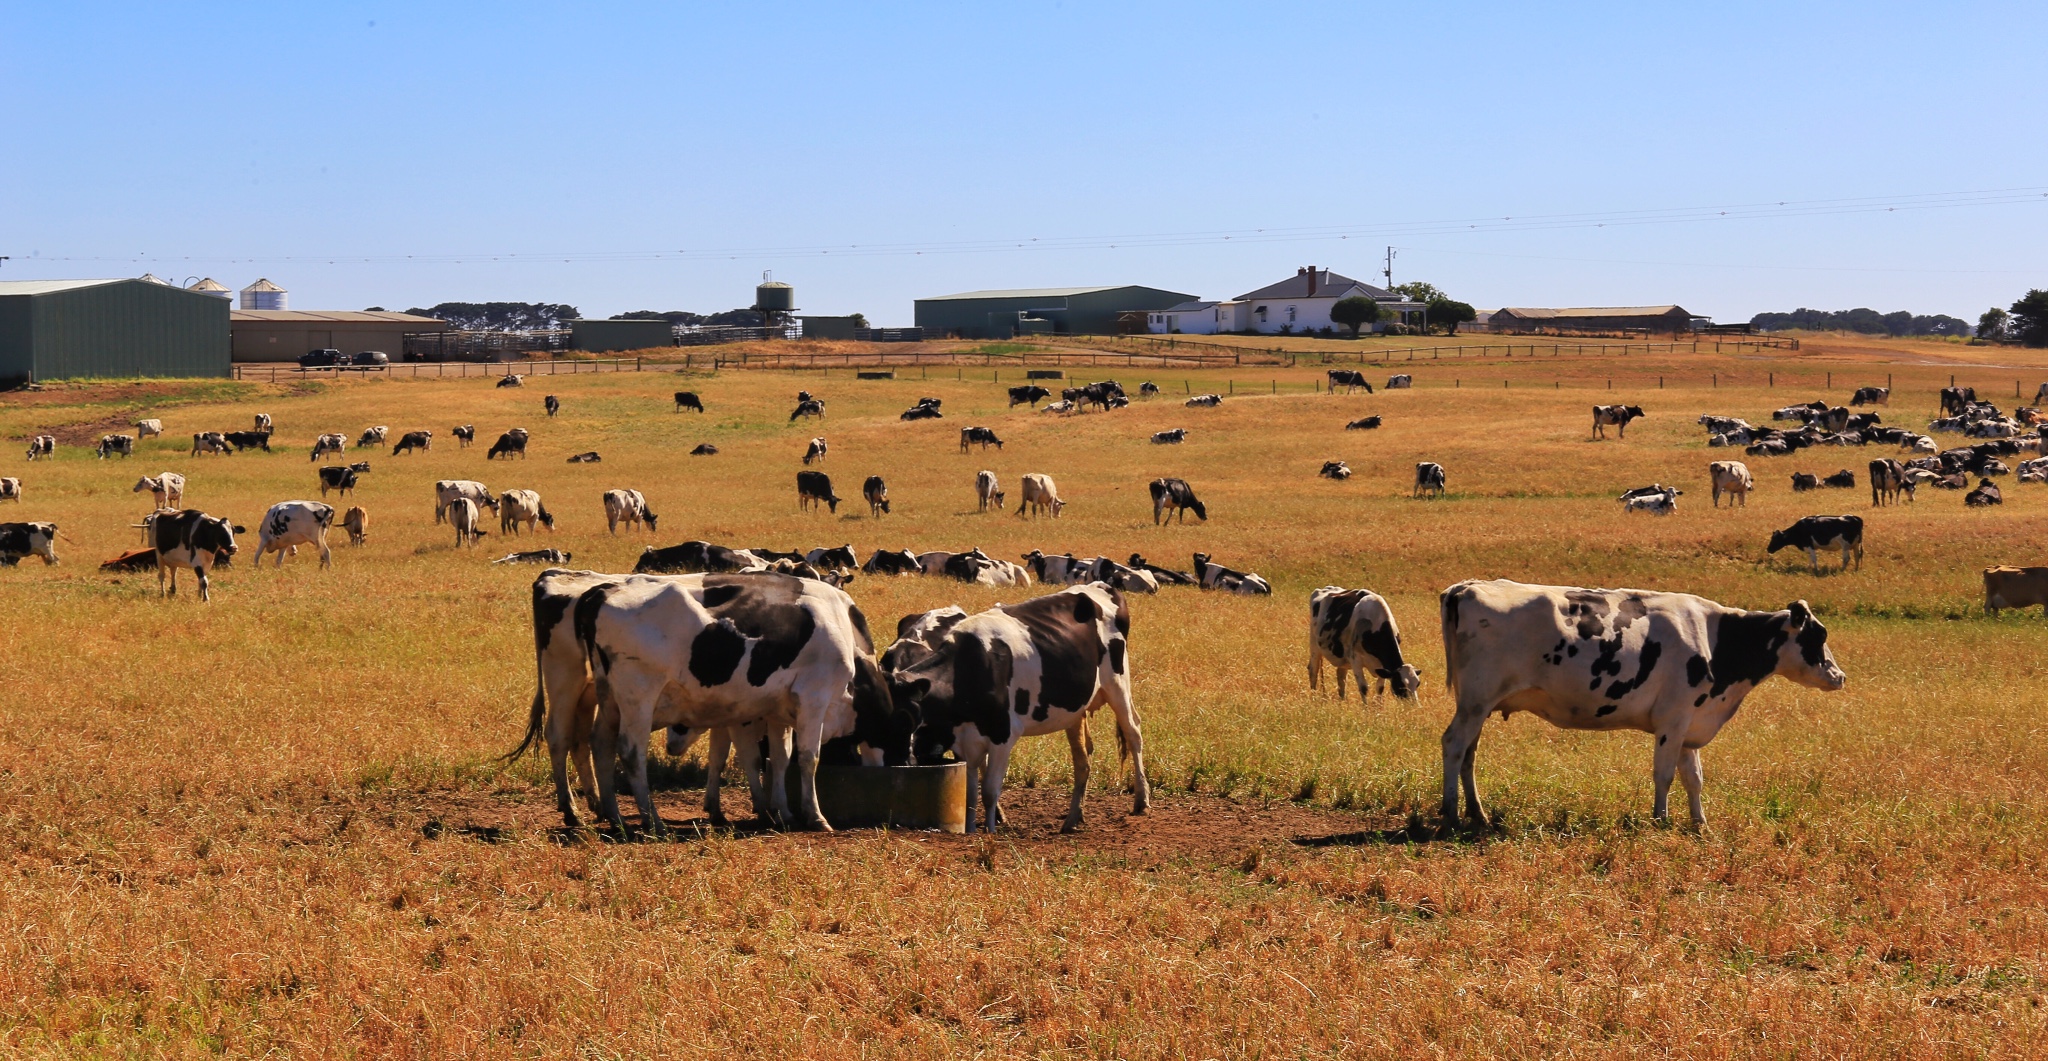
<point>1290,314</point>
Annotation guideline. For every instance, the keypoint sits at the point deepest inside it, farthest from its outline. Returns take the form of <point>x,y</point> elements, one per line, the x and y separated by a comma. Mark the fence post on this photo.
<point>1831,381</point>
<point>1772,381</point>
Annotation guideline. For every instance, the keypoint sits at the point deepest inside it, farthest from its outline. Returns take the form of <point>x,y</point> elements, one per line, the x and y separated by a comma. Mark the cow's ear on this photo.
<point>1801,614</point>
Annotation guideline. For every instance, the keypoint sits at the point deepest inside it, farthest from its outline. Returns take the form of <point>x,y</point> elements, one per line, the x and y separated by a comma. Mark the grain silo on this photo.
<point>210,286</point>
<point>263,295</point>
<point>774,302</point>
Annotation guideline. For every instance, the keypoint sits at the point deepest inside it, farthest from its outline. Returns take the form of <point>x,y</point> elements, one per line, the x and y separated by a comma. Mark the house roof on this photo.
<point>322,316</point>
<point>1027,292</point>
<point>1536,313</point>
<point>1191,307</point>
<point>1329,284</point>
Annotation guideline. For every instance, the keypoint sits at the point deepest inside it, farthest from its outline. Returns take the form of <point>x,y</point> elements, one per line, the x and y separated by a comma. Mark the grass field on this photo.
<point>274,823</point>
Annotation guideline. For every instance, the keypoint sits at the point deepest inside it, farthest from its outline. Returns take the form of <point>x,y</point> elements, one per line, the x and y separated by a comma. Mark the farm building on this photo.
<point>1041,310</point>
<point>284,334</point>
<point>63,329</point>
<point>1663,320</point>
<point>604,337</point>
<point>1302,303</point>
<point>847,328</point>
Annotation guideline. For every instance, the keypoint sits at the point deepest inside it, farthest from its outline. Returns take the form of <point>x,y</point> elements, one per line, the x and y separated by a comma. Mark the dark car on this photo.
<point>371,357</point>
<point>322,359</point>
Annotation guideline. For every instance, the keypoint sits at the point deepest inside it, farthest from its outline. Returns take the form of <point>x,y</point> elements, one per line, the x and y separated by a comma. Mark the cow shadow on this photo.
<point>1416,831</point>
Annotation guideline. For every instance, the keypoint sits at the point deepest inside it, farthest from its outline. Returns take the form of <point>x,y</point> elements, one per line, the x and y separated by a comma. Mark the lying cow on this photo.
<point>1872,396</point>
<point>511,380</point>
<point>704,449</point>
<point>590,457</point>
<point>1204,401</point>
<point>1986,493</point>
<point>1668,664</point>
<point>1354,629</point>
<point>1023,670</point>
<point>2015,587</point>
<point>1211,575</point>
<point>290,524</point>
<point>892,562</point>
<point>551,557</point>
<point>1656,499</point>
<point>1337,470</point>
<point>1162,575</point>
<point>18,540</point>
<point>694,557</point>
<point>1170,438</point>
<point>1369,423</point>
<point>925,409</point>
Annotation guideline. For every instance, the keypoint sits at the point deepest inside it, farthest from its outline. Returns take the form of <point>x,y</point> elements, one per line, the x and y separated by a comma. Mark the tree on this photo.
<point>1993,324</point>
<point>1418,291</point>
<point>2030,318</point>
<point>373,309</point>
<point>860,320</point>
<point>1355,312</point>
<point>1451,313</point>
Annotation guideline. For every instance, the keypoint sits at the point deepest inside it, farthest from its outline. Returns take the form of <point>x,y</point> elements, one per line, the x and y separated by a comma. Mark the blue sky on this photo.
<point>405,154</point>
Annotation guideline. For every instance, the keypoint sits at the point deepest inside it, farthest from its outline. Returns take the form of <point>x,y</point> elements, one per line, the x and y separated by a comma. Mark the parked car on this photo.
<point>322,359</point>
<point>371,357</point>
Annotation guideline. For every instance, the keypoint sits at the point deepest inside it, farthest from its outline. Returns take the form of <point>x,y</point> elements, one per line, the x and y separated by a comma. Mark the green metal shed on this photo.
<point>599,337</point>
<point>66,329</point>
<point>1065,310</point>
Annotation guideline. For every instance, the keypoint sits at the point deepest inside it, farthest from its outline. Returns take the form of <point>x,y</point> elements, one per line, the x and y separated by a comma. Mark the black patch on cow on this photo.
<point>585,620</point>
<point>981,684</point>
<point>1337,611</point>
<point>1813,643</point>
<point>1069,653</point>
<point>716,597</point>
<point>769,610</point>
<point>1382,645</point>
<point>1023,701</point>
<point>1662,737</point>
<point>1746,648</point>
<point>548,609</point>
<point>1652,651</point>
<point>1123,620</point>
<point>1696,670</point>
<point>1571,651</point>
<point>716,653</point>
<point>1589,611</point>
<point>1605,709</point>
<point>1116,654</point>
<point>860,626</point>
<point>1608,662</point>
<point>1084,608</point>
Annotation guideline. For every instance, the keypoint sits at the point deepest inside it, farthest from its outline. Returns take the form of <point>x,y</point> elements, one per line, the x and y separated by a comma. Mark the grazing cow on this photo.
<point>808,407</point>
<point>988,491</point>
<point>1955,399</point>
<point>1204,401</point>
<point>815,451</point>
<point>1616,415</point>
<point>357,523</point>
<point>1349,380</point>
<point>888,562</point>
<point>1369,423</point>
<point>1038,667</point>
<point>1429,479</point>
<point>552,404</point>
<point>18,540</point>
<point>290,524</point>
<point>590,457</point>
<point>550,557</point>
<point>1170,438</point>
<point>628,507</point>
<point>412,440</point>
<point>42,446</point>
<point>695,557</point>
<point>921,412</point>
<point>1163,576</point>
<point>1104,395</point>
<point>125,445</point>
<point>467,521</point>
<point>168,488</point>
<point>465,435</point>
<point>1036,493</point>
<point>242,440</point>
<point>343,478</point>
<point>2015,587</point>
<point>1872,396</point>
<point>1174,497</point>
<point>372,436</point>
<point>1917,478</point>
<point>447,490</point>
<point>1668,664</point>
<point>512,380</point>
<point>325,444</point>
<point>1354,629</point>
<point>1028,395</point>
<point>1804,481</point>
<point>1210,575</point>
<point>523,506</point>
<point>813,488</point>
<point>704,449</point>
<point>202,442</point>
<point>148,428</point>
<point>707,651</point>
<point>1986,493</point>
<point>1337,470</point>
<point>1148,389</point>
<point>972,435</point>
<point>1887,481</point>
<point>877,493</point>
<point>1731,478</point>
<point>10,490</point>
<point>1062,406</point>
<point>688,400</point>
<point>194,540</point>
<point>1403,381</point>
<point>1814,533</point>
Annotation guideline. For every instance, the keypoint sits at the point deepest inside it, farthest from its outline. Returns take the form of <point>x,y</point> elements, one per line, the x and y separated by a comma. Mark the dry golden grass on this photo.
<point>273,823</point>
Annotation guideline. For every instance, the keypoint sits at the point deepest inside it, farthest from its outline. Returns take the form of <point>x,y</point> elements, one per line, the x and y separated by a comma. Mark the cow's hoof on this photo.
<point>1070,825</point>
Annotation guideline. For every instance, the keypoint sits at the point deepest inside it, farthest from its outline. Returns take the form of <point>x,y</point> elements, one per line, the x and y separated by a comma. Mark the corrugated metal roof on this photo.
<point>1028,292</point>
<point>44,287</point>
<point>322,316</point>
<point>263,285</point>
<point>1191,307</point>
<point>208,284</point>
<point>1328,285</point>
<point>1536,313</point>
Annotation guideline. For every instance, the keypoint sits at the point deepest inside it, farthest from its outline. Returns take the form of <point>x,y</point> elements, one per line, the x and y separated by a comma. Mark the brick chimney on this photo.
<point>1311,270</point>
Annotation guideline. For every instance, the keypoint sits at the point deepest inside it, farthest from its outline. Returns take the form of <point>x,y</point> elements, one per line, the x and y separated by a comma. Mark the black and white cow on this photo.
<point>1022,670</point>
<point>1170,438</point>
<point>1955,399</point>
<point>42,446</point>
<point>815,451</point>
<point>1174,497</point>
<point>166,488</point>
<point>1814,533</point>
<point>290,524</point>
<point>708,651</point>
<point>325,444</point>
<point>10,489</point>
<point>841,558</point>
<point>808,407</point>
<point>1668,664</point>
<point>921,412</point>
<point>694,557</point>
<point>121,444</point>
<point>1400,381</point>
<point>1148,389</point>
<point>1369,423</point>
<point>813,488</point>
<point>465,435</point>
<point>374,436</point>
<point>588,457</point>
<point>1872,396</point>
<point>704,449</point>
<point>18,540</point>
<point>552,404</point>
<point>1212,575</point>
<point>447,490</point>
<point>891,562</point>
<point>510,443</point>
<point>242,440</point>
<point>988,490</point>
<point>1986,493</point>
<point>978,435</point>
<point>151,427</point>
<point>877,494</point>
<point>263,423</point>
<point>1337,470</point>
<point>1162,575</point>
<point>412,440</point>
<point>1348,379</point>
<point>202,442</point>
<point>1028,395</point>
<point>344,478</point>
<point>193,540</point>
<point>523,506</point>
<point>1056,570</point>
<point>1204,401</point>
<point>1616,415</point>
<point>688,400</point>
<point>467,521</point>
<point>628,507</point>
<point>1354,629</point>
<point>551,557</point>
<point>1429,479</point>
<point>510,380</point>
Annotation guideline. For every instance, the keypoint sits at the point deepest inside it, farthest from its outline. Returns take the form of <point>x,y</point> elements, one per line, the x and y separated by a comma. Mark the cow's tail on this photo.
<point>1448,606</point>
<point>536,716</point>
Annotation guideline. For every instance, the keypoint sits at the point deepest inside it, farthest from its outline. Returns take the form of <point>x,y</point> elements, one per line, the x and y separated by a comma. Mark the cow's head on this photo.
<point>881,721</point>
<point>1380,639</point>
<point>648,516</point>
<point>1804,656</point>
<point>1201,510</point>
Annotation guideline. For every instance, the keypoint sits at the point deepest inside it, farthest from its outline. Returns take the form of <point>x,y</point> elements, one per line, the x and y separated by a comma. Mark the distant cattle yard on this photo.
<point>1754,638</point>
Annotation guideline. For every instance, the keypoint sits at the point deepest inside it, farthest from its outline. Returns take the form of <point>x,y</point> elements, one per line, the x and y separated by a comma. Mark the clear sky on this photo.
<point>622,157</point>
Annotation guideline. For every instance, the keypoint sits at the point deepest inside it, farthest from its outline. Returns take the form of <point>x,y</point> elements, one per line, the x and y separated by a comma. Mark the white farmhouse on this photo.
<point>1299,304</point>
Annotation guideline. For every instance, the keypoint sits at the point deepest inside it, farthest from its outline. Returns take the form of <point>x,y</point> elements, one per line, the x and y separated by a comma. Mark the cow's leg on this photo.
<point>995,767</point>
<point>1689,774</point>
<point>1461,742</point>
<point>633,755</point>
<point>1315,672</point>
<point>770,788</point>
<point>1813,559</point>
<point>1130,740</point>
<point>205,591</point>
<point>1670,746</point>
<point>809,737</point>
<point>604,748</point>
<point>1078,745</point>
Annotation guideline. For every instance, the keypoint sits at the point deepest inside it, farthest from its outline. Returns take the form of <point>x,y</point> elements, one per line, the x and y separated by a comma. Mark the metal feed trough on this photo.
<point>895,797</point>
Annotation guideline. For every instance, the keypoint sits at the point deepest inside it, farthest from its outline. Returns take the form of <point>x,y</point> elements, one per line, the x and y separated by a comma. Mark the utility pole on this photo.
<point>1388,272</point>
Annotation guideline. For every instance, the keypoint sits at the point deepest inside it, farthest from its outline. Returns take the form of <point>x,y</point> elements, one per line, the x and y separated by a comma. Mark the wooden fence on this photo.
<point>271,373</point>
